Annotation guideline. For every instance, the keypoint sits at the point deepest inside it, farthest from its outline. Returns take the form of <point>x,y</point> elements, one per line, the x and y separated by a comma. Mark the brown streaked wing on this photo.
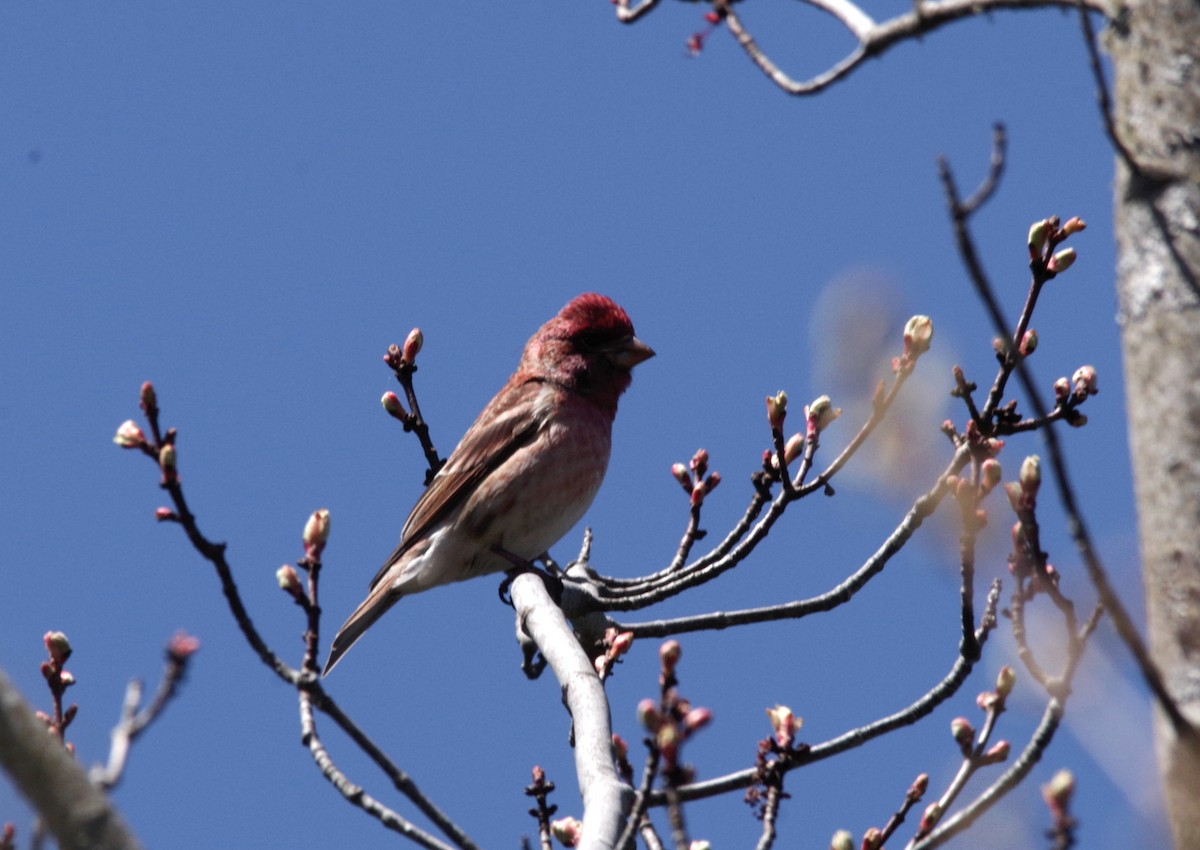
<point>493,438</point>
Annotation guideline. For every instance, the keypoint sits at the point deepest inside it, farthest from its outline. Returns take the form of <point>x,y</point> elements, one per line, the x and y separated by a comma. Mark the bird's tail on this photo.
<point>378,601</point>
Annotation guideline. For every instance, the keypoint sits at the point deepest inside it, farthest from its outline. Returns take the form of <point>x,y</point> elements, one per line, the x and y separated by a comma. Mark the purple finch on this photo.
<point>525,471</point>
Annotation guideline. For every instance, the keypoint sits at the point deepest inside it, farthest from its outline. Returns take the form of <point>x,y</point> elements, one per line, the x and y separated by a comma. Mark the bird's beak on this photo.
<point>632,352</point>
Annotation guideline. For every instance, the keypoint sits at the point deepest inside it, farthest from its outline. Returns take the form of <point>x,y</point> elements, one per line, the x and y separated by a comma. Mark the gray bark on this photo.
<point>1155,47</point>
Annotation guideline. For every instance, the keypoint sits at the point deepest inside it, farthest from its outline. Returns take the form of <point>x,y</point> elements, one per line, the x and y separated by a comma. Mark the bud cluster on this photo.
<point>1043,240</point>
<point>616,644</point>
<point>672,719</point>
<point>695,478</point>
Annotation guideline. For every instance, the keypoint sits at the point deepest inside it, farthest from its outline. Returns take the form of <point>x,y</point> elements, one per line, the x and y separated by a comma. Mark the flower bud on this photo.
<point>149,398</point>
<point>58,646</point>
<point>842,840</point>
<point>166,457</point>
<point>667,741</point>
<point>1062,388</point>
<point>963,732</point>
<point>711,482</point>
<point>785,724</point>
<point>669,653</point>
<point>1061,261</point>
<point>1073,225</point>
<point>289,580</point>
<point>777,410</point>
<point>920,785</point>
<point>568,831</point>
<point>1005,680</point>
<point>165,514</point>
<point>918,334</point>
<point>872,839</point>
<point>1037,237</point>
<point>66,679</point>
<point>699,464</point>
<point>316,533</point>
<point>412,345</point>
<point>1084,381</point>
<point>997,753</point>
<point>1029,343</point>
<point>182,646</point>
<point>1031,474</point>
<point>793,448</point>
<point>620,748</point>
<point>648,716</point>
<point>395,409</point>
<point>622,642</point>
<point>990,474</point>
<point>681,474</point>
<point>1058,791</point>
<point>820,413</point>
<point>129,435</point>
<point>697,719</point>
<point>933,813</point>
<point>703,844</point>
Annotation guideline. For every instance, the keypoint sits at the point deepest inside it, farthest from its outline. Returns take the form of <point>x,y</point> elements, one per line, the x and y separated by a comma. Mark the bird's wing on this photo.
<point>503,427</point>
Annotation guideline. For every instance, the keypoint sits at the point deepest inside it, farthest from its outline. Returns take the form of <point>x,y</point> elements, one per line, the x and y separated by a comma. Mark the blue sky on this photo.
<point>246,205</point>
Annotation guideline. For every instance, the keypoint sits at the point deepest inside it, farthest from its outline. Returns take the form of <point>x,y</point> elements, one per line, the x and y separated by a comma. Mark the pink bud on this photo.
<point>820,413</point>
<point>316,533</point>
<point>129,435</point>
<point>697,719</point>
<point>182,646</point>
<point>149,399</point>
<point>1029,343</point>
<point>997,753</point>
<point>1084,381</point>
<point>412,345</point>
<point>681,474</point>
<point>568,831</point>
<point>395,409</point>
<point>699,462</point>
<point>620,748</point>
<point>872,839</point>
<point>66,678</point>
<point>932,814</point>
<point>784,723</point>
<point>1073,225</point>
<point>622,642</point>
<point>165,514</point>
<point>711,482</point>
<point>58,646</point>
<point>920,785</point>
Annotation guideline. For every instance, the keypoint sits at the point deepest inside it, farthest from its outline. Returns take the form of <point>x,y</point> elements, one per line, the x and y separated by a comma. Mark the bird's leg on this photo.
<point>521,565</point>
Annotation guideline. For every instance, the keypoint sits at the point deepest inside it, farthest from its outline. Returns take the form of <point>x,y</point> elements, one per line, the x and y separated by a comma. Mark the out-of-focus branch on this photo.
<point>960,215</point>
<point>606,799</point>
<point>76,812</point>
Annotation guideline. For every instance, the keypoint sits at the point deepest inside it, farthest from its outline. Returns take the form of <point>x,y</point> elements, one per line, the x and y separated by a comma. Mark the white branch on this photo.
<point>606,799</point>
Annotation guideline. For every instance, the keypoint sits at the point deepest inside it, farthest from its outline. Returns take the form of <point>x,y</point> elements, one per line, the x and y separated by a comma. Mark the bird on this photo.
<point>524,472</point>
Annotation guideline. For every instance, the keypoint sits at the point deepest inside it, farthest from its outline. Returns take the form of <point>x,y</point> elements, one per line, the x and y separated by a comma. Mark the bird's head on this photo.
<point>588,347</point>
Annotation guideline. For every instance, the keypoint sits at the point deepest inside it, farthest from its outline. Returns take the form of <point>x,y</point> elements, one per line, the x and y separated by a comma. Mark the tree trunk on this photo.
<point>1155,47</point>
